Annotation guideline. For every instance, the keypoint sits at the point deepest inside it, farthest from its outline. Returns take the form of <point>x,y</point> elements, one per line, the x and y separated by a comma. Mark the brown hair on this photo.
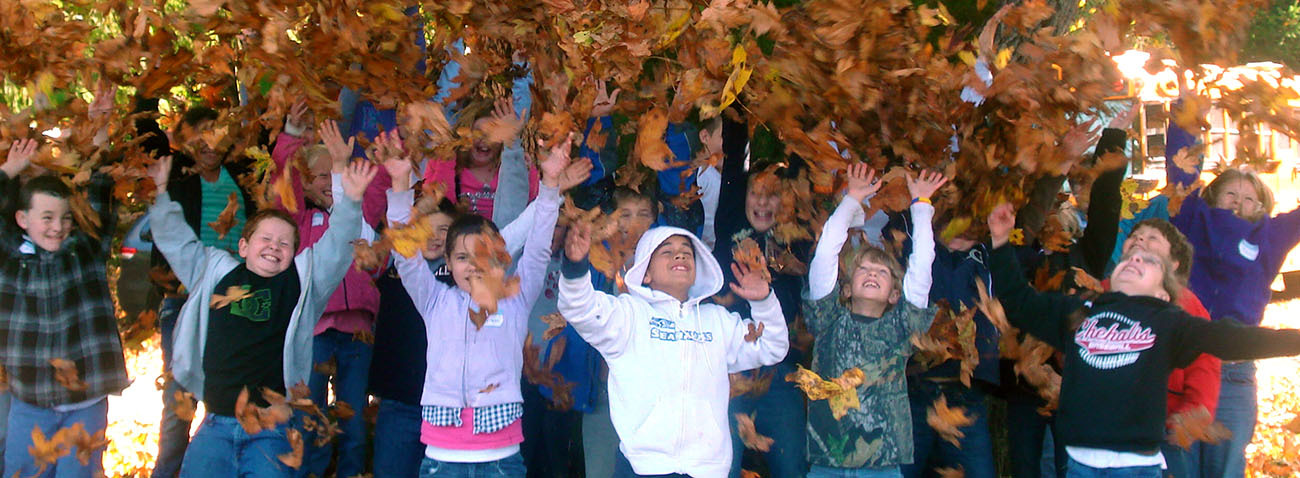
<point>1180,249</point>
<point>251,226</point>
<point>851,259</point>
<point>1211,193</point>
<point>1170,281</point>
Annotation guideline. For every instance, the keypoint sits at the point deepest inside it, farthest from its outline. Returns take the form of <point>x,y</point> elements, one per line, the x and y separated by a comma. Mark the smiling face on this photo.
<point>436,246</point>
<point>483,152</point>
<point>460,263</point>
<point>634,216</point>
<point>1140,273</point>
<point>47,222</point>
<point>317,188</point>
<point>872,282</point>
<point>269,249</point>
<point>1148,239</point>
<point>761,207</point>
<point>672,267</point>
<point>1239,196</point>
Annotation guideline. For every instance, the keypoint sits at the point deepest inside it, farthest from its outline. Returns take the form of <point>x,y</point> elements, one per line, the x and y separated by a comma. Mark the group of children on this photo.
<point>650,354</point>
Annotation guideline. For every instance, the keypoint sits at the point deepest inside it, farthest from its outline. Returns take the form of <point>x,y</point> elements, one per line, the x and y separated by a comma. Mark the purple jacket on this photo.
<point>469,367</point>
<point>1235,260</point>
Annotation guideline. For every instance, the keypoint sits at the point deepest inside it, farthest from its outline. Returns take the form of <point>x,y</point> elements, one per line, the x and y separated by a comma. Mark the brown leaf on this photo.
<point>748,254</point>
<point>950,472</point>
<point>84,443</point>
<point>234,293</point>
<point>1193,425</point>
<point>555,324</point>
<point>342,410</point>
<point>1293,426</point>
<point>489,388</point>
<point>328,368</point>
<point>753,383</point>
<point>4,379</point>
<point>650,149</point>
<point>184,406</point>
<point>478,318</point>
<point>293,459</point>
<point>67,375</point>
<point>46,452</point>
<point>754,332</point>
<point>226,220</point>
<point>947,421</point>
<point>246,414</point>
<point>749,434</point>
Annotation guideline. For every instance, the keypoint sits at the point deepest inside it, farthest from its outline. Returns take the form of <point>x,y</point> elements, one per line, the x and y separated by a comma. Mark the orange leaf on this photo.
<point>650,149</point>
<point>747,253</point>
<point>226,220</point>
<point>293,459</point>
<point>234,293</point>
<point>1195,424</point>
<point>555,324</point>
<point>754,332</point>
<point>948,421</point>
<point>489,388</point>
<point>65,372</point>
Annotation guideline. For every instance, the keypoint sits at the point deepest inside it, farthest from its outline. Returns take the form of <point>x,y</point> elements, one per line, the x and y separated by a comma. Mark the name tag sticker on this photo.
<point>495,320</point>
<point>1248,250</point>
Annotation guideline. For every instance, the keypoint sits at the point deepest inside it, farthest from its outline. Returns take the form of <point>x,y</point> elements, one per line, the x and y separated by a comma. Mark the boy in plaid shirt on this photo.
<point>55,299</point>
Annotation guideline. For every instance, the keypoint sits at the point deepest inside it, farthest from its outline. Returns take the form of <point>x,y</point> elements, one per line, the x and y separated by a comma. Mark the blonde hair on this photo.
<point>1211,193</point>
<point>315,153</point>
<point>852,258</point>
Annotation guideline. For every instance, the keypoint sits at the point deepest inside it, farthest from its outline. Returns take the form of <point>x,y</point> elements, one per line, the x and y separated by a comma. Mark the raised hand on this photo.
<point>605,101</point>
<point>1001,221</point>
<point>297,121</point>
<point>357,177</point>
<point>1125,118</point>
<point>749,284</point>
<point>1078,139</point>
<point>340,151</point>
<point>503,113</point>
<point>160,171</point>
<point>577,173</point>
<point>577,242</point>
<point>862,181</point>
<point>925,184</point>
<point>388,152</point>
<point>556,162</point>
<point>21,153</point>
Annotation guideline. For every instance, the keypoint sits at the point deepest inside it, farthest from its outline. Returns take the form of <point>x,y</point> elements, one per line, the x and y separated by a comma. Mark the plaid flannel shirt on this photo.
<point>486,419</point>
<point>56,305</point>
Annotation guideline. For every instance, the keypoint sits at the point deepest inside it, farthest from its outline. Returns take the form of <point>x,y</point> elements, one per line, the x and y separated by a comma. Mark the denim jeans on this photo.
<point>1175,460</point>
<point>623,469</point>
<point>4,426</point>
<point>1026,434</point>
<point>222,449</point>
<point>353,359</point>
<point>509,467</point>
<point>25,418</point>
<point>818,471</point>
<point>398,451</point>
<point>975,456</point>
<point>782,416</point>
<point>1237,411</point>
<point>552,446</point>
<point>1079,470</point>
<point>174,435</point>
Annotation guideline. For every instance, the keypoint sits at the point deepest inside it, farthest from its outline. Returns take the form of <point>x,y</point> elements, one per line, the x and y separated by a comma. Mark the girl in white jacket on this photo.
<point>668,354</point>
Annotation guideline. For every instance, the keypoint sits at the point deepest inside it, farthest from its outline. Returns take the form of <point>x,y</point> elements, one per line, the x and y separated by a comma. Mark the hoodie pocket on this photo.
<point>677,426</point>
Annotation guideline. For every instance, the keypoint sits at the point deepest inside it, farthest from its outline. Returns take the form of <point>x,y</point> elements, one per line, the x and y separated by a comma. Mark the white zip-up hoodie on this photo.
<point>669,360</point>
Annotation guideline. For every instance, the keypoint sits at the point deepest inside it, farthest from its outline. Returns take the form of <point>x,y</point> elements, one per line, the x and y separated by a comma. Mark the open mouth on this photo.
<point>679,268</point>
<point>273,259</point>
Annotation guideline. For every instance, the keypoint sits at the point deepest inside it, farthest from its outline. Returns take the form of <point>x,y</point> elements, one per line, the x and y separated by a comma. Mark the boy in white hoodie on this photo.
<point>668,354</point>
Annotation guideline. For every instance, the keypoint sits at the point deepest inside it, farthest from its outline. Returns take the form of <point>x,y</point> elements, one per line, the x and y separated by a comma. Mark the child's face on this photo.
<point>317,186</point>
<point>1148,239</point>
<point>270,248</point>
<point>436,246</point>
<point>1140,274</point>
<point>761,208</point>
<point>1240,197</point>
<point>634,216</point>
<point>672,267</point>
<point>458,260</point>
<point>484,152</point>
<point>48,222</point>
<point>872,282</point>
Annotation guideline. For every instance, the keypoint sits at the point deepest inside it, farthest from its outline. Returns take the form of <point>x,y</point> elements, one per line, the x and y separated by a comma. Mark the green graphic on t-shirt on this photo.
<point>256,307</point>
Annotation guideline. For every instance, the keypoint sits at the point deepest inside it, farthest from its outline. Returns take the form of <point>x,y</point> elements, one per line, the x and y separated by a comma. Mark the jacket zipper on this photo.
<point>681,430</point>
<point>463,368</point>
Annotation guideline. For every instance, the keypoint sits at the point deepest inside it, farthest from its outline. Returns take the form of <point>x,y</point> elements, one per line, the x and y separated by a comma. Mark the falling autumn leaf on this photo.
<point>66,374</point>
<point>364,336</point>
<point>226,220</point>
<point>184,405</point>
<point>947,422</point>
<point>555,324</point>
<point>293,459</point>
<point>754,332</point>
<point>328,368</point>
<point>342,410</point>
<point>841,392</point>
<point>46,452</point>
<point>84,444</point>
<point>754,383</point>
<point>490,388</point>
<point>950,472</point>
<point>749,434</point>
<point>234,293</point>
<point>1193,425</point>
<point>747,253</point>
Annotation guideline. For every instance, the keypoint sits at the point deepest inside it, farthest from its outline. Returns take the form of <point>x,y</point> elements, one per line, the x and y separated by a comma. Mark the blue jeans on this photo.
<point>4,412</point>
<point>398,451</point>
<point>222,449</point>
<point>1079,470</point>
<point>174,436</point>
<point>818,471</point>
<point>975,456</point>
<point>623,469</point>
<point>782,416</point>
<point>353,359</point>
<point>1175,460</point>
<point>25,418</point>
<point>1237,411</point>
<point>1026,432</point>
<point>509,467</point>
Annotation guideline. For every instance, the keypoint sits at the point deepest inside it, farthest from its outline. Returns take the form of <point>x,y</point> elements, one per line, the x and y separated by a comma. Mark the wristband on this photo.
<point>924,200</point>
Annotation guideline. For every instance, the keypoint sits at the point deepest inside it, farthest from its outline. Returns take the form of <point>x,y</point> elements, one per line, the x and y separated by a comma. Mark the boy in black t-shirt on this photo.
<point>248,324</point>
<point>1119,350</point>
